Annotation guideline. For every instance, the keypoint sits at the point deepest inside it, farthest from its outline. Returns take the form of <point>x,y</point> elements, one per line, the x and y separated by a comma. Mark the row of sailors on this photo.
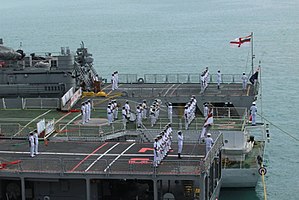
<point>189,111</point>
<point>114,80</point>
<point>86,111</point>
<point>112,111</point>
<point>141,113</point>
<point>154,112</point>
<point>162,145</point>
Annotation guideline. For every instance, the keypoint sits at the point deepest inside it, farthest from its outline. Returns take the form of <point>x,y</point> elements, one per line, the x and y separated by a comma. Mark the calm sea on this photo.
<point>172,36</point>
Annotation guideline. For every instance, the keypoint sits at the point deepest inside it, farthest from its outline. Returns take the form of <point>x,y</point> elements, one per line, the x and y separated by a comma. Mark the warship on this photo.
<point>102,160</point>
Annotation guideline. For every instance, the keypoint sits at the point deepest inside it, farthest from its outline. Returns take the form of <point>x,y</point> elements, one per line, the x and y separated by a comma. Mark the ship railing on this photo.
<point>133,166</point>
<point>213,153</point>
<point>177,78</point>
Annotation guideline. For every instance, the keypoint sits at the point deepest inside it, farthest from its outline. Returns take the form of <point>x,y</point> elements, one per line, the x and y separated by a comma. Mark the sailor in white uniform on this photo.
<point>170,112</point>
<point>113,82</point>
<point>205,110</point>
<point>180,144</point>
<point>83,113</point>
<point>139,116</point>
<point>31,144</point>
<point>86,111</point>
<point>209,142</point>
<point>116,79</point>
<point>128,109</point>
<point>115,110</point>
<point>35,136</point>
<point>244,81</point>
<point>253,111</point>
<point>144,110</point>
<point>155,153</point>
<point>109,114</point>
<point>124,117</point>
<point>218,79</point>
<point>89,109</point>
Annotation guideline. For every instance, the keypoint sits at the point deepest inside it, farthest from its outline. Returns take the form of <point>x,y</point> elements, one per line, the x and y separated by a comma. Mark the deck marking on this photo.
<point>31,122</point>
<point>67,124</point>
<point>122,153</point>
<point>169,89</point>
<point>84,159</point>
<point>175,89</point>
<point>100,157</point>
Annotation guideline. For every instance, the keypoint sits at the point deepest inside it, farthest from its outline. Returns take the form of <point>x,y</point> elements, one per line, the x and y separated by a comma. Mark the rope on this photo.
<point>264,184</point>
<point>285,132</point>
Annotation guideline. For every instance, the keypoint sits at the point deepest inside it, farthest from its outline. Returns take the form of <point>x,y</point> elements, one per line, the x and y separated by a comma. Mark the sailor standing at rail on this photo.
<point>116,79</point>
<point>31,144</point>
<point>128,109</point>
<point>156,152</point>
<point>170,112</point>
<point>144,110</point>
<point>113,82</point>
<point>115,110</point>
<point>209,142</point>
<point>139,117</point>
<point>253,111</point>
<point>205,110</point>
<point>218,79</point>
<point>109,114</point>
<point>186,117</point>
<point>124,117</point>
<point>35,136</point>
<point>152,116</point>
<point>86,111</point>
<point>83,112</point>
<point>180,143</point>
<point>89,109</point>
<point>244,81</point>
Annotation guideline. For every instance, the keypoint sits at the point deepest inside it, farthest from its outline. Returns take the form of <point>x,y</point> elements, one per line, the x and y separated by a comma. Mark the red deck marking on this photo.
<point>139,161</point>
<point>84,159</point>
<point>143,150</point>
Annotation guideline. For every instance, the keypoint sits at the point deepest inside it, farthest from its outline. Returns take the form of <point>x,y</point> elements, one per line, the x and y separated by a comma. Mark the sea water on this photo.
<point>175,36</point>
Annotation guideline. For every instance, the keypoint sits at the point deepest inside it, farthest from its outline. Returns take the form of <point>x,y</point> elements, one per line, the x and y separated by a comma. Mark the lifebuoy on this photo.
<point>140,80</point>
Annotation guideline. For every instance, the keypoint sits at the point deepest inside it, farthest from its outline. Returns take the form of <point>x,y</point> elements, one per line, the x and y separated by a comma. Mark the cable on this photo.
<point>287,133</point>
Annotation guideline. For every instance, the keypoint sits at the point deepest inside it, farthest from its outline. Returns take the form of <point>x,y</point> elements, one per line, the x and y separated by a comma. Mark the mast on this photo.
<point>252,55</point>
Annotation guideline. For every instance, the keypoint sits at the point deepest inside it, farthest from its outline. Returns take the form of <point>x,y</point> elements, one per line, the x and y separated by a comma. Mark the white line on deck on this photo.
<point>169,89</point>
<point>31,122</point>
<point>122,153</point>
<point>67,124</point>
<point>175,89</point>
<point>100,157</point>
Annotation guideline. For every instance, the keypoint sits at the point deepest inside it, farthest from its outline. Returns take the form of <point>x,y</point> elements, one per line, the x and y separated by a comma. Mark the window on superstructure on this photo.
<point>53,63</point>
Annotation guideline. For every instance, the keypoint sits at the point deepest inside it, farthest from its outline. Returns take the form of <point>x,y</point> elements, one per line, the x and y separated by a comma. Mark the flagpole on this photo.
<point>252,56</point>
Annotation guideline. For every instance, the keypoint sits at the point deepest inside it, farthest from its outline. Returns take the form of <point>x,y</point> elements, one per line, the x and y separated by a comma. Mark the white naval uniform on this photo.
<point>180,143</point>
<point>124,117</point>
<point>83,113</point>
<point>115,111</point>
<point>218,79</point>
<point>205,111</point>
<point>244,82</point>
<point>86,112</point>
<point>31,145</point>
<point>170,113</point>
<point>113,83</point>
<point>109,115</point>
<point>35,136</point>
<point>89,110</point>
<point>144,110</point>
<point>209,143</point>
<point>253,111</point>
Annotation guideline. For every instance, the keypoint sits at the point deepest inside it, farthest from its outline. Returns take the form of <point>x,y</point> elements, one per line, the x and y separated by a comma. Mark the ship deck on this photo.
<point>106,158</point>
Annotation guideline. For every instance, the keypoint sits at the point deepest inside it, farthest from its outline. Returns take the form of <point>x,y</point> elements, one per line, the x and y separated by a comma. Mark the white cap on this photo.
<point>253,103</point>
<point>208,134</point>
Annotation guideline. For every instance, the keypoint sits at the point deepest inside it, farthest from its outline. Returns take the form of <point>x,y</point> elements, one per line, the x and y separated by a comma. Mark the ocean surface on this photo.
<point>172,36</point>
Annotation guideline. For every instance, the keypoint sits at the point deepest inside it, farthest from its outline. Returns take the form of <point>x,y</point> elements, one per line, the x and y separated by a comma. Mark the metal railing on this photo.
<point>177,78</point>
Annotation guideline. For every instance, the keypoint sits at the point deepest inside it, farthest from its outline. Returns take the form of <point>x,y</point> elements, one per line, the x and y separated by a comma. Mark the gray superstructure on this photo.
<point>49,75</point>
